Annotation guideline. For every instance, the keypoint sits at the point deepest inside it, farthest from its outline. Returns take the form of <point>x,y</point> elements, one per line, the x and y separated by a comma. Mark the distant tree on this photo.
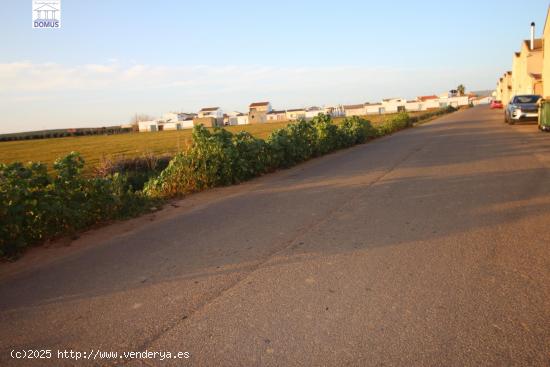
<point>461,90</point>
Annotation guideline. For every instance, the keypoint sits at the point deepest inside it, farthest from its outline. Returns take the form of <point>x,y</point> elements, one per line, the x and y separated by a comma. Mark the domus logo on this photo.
<point>46,13</point>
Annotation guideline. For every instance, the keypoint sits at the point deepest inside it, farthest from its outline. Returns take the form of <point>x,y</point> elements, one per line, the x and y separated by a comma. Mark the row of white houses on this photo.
<point>262,112</point>
<point>394,105</point>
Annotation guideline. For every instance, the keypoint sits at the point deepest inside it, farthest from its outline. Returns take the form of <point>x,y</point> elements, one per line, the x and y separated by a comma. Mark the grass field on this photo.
<point>94,148</point>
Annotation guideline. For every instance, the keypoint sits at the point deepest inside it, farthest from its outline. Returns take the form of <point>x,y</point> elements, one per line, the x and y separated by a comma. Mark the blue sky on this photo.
<point>112,59</point>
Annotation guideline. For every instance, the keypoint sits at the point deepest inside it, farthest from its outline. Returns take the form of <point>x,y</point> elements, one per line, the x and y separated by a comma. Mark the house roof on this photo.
<point>296,110</point>
<point>259,104</point>
<point>273,112</point>
<point>209,109</point>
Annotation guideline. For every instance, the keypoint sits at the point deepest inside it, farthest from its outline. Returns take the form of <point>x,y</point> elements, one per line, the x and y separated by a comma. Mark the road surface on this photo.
<point>430,247</point>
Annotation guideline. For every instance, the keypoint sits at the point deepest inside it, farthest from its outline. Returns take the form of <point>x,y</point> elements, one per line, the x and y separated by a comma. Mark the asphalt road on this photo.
<point>429,247</point>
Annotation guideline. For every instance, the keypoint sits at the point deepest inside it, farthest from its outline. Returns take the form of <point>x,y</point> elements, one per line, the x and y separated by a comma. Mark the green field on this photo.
<point>95,148</point>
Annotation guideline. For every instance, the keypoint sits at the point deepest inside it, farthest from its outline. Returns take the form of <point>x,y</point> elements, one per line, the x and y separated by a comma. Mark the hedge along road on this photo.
<point>426,247</point>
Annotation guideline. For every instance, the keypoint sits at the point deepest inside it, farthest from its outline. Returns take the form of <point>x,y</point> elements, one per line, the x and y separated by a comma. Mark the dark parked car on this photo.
<point>522,107</point>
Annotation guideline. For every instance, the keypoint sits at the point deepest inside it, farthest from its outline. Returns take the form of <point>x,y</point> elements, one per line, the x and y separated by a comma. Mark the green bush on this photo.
<point>216,158</point>
<point>35,206</point>
<point>252,156</point>
<point>355,130</point>
<point>326,134</point>
<point>220,158</point>
<point>291,145</point>
<point>395,123</point>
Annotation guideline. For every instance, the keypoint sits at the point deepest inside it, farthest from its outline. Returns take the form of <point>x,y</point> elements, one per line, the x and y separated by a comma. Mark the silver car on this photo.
<point>522,107</point>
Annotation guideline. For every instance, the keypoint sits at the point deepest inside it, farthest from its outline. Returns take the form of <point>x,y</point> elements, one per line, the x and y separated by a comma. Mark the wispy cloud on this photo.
<point>29,77</point>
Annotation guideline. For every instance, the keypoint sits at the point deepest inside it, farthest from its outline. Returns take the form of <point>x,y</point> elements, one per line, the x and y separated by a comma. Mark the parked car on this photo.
<point>522,107</point>
<point>496,104</point>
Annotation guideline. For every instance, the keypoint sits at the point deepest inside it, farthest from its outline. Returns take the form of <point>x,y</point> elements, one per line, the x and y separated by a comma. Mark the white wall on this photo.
<point>413,106</point>
<point>242,120</point>
<point>146,126</point>
<point>187,124</point>
<point>393,105</point>
<point>167,126</point>
<point>454,101</point>
<point>431,103</point>
<point>374,109</point>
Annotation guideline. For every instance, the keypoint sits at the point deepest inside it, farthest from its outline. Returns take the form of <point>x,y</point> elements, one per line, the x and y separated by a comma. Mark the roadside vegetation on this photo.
<point>38,204</point>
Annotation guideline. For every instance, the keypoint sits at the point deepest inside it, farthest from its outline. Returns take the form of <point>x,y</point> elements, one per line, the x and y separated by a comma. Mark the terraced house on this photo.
<point>296,114</point>
<point>527,68</point>
<point>530,68</point>
<point>504,88</point>
<point>258,111</point>
<point>209,117</point>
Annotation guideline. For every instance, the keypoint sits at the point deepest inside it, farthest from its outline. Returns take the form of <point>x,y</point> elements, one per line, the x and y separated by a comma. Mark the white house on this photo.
<point>414,106</point>
<point>187,124</point>
<point>374,109</point>
<point>394,105</point>
<point>161,125</point>
<point>214,112</point>
<point>176,125</point>
<point>242,119</point>
<point>151,125</point>
<point>232,117</point>
<point>274,115</point>
<point>239,119</point>
<point>456,101</point>
<point>295,114</point>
